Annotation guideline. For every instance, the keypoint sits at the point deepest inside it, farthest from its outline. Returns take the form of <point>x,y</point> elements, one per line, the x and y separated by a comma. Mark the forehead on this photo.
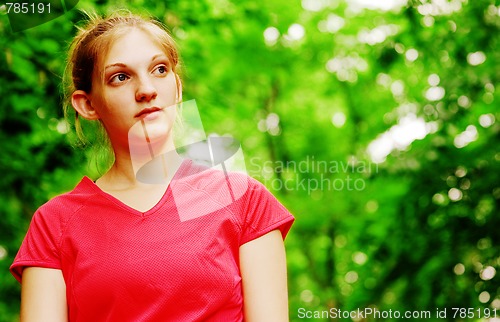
<point>132,47</point>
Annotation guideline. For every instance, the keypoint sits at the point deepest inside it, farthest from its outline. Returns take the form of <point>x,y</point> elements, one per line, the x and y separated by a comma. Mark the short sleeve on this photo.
<point>263,213</point>
<point>40,247</point>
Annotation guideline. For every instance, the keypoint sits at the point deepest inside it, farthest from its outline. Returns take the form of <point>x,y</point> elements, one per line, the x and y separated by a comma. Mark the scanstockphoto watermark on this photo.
<point>370,313</point>
<point>312,174</point>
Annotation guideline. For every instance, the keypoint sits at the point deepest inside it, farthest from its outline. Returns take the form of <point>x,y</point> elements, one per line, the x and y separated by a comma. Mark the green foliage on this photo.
<point>414,232</point>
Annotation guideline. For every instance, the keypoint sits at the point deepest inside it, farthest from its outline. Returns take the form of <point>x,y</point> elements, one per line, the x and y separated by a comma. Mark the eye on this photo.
<point>160,70</point>
<point>118,78</point>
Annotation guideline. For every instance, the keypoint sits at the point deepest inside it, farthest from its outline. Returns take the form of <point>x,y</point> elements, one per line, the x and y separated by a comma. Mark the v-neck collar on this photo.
<point>184,166</point>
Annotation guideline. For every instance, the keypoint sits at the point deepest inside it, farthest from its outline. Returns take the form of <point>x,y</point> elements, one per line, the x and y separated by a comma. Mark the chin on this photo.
<point>144,133</point>
<point>159,133</point>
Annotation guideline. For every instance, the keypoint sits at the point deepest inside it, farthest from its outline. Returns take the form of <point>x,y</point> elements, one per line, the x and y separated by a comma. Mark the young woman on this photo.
<point>120,249</point>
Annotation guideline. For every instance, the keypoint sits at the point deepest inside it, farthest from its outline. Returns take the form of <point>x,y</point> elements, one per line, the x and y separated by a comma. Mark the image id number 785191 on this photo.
<point>471,313</point>
<point>26,7</point>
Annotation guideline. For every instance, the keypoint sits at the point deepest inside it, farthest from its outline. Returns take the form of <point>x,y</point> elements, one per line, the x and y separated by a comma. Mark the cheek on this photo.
<point>171,113</point>
<point>169,88</point>
<point>114,105</point>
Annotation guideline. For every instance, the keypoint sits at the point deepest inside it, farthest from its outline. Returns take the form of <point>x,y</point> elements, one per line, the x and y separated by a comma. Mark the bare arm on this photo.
<point>263,271</point>
<point>43,295</point>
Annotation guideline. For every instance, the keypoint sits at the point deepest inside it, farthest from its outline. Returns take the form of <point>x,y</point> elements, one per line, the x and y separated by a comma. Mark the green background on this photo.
<point>309,88</point>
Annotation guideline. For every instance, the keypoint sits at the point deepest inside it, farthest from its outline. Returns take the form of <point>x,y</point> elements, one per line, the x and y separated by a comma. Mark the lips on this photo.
<point>147,111</point>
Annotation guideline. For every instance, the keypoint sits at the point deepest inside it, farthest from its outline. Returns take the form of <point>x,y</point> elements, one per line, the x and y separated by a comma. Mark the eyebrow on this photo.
<point>155,57</point>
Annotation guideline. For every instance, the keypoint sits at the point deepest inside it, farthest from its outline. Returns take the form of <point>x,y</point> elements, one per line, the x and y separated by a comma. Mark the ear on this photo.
<point>82,104</point>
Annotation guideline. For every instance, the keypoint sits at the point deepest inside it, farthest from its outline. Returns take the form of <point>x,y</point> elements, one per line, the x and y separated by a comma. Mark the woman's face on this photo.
<point>134,91</point>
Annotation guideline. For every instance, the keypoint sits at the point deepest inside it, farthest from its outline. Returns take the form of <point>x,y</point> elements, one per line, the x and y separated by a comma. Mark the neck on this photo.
<point>142,164</point>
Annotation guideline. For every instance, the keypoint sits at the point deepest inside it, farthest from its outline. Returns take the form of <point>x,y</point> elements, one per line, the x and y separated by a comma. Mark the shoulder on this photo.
<point>214,189</point>
<point>66,204</point>
<point>200,176</point>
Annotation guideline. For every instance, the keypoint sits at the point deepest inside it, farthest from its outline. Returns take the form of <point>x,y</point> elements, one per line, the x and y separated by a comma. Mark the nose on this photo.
<point>146,91</point>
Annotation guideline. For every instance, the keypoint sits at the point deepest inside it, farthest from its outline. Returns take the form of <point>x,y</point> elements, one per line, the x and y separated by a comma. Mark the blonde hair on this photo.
<point>91,45</point>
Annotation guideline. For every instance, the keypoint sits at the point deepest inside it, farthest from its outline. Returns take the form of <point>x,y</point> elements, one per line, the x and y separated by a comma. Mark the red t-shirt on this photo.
<point>120,264</point>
